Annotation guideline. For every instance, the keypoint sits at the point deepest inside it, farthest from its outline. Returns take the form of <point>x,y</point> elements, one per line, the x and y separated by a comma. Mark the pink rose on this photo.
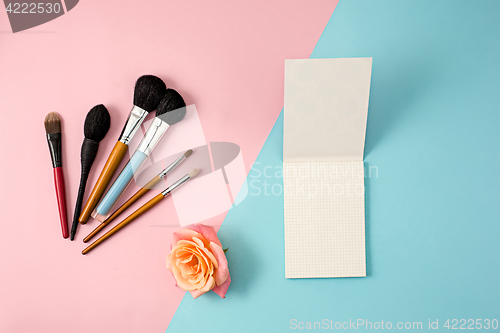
<point>198,261</point>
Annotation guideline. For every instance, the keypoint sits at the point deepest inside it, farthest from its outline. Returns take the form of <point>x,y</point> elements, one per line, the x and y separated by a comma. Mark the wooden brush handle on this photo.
<point>147,206</point>
<point>114,160</point>
<point>123,207</point>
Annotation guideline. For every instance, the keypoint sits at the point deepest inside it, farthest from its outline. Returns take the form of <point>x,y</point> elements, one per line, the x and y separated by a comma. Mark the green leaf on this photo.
<point>225,250</point>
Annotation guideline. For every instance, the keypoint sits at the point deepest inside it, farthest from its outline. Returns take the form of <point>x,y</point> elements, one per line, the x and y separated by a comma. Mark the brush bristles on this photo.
<point>97,123</point>
<point>172,108</point>
<point>193,173</point>
<point>149,90</point>
<point>188,153</point>
<point>172,100</point>
<point>52,123</point>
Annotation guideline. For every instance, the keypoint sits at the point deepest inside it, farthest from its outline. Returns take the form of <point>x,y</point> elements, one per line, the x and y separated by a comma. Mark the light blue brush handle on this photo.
<point>121,183</point>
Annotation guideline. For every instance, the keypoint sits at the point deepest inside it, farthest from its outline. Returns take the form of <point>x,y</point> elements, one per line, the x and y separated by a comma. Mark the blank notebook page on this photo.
<point>326,104</point>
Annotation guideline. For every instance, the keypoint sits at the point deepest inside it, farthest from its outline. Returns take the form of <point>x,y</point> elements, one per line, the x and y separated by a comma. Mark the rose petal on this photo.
<point>199,242</point>
<point>211,255</point>
<point>209,285</point>
<point>222,289</point>
<point>169,264</point>
<point>188,259</point>
<point>186,243</point>
<point>205,274</point>
<point>196,293</point>
<point>187,270</point>
<point>183,234</point>
<point>196,279</point>
<point>200,254</point>
<point>172,263</point>
<point>198,262</point>
<point>207,231</point>
<point>204,265</point>
<point>201,283</point>
<point>222,272</point>
<point>181,282</point>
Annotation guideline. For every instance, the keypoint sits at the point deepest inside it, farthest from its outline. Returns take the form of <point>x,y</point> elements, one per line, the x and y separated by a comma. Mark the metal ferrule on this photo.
<point>154,133</point>
<point>134,121</point>
<point>175,185</point>
<point>171,167</point>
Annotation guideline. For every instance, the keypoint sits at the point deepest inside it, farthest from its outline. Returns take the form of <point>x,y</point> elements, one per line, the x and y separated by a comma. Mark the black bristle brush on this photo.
<point>96,126</point>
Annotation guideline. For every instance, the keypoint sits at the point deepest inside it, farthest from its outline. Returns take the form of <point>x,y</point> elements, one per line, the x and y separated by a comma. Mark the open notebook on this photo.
<point>326,107</point>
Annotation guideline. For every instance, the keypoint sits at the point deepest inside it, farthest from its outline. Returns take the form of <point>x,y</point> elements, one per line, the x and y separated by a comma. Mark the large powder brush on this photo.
<point>95,128</point>
<point>148,92</point>
<point>170,111</point>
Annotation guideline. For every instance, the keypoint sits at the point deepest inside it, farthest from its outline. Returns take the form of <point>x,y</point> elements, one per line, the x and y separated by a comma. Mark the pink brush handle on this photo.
<point>61,200</point>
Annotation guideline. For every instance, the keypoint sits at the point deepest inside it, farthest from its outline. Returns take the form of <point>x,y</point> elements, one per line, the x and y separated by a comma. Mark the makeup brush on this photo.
<point>170,111</point>
<point>53,129</point>
<point>148,92</point>
<point>95,128</point>
<point>139,194</point>
<point>147,206</point>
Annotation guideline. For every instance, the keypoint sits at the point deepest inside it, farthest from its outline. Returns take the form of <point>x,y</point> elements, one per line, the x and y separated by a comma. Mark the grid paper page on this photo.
<point>324,219</point>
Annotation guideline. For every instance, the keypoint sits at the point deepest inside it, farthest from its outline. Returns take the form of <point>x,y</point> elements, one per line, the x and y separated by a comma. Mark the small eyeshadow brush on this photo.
<point>53,129</point>
<point>147,206</point>
<point>170,111</point>
<point>149,90</point>
<point>139,194</point>
<point>95,128</point>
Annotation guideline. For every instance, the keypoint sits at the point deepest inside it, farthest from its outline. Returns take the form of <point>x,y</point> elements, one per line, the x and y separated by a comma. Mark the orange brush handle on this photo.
<point>120,210</point>
<point>147,206</point>
<point>114,160</point>
<point>124,207</point>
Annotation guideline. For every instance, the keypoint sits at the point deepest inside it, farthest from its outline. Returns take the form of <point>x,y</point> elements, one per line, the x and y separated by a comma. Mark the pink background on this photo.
<point>224,57</point>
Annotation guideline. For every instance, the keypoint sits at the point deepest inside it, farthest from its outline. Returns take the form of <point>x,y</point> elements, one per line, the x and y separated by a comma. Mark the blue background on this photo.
<point>432,211</point>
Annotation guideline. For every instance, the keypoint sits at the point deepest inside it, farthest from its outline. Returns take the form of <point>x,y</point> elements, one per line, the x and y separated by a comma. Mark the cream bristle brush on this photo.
<point>145,189</point>
<point>147,206</point>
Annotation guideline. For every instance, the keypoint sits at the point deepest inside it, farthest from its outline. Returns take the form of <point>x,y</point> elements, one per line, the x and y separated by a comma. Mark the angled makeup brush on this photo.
<point>170,111</point>
<point>139,194</point>
<point>147,206</point>
<point>95,128</point>
<point>148,92</point>
<point>53,129</point>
